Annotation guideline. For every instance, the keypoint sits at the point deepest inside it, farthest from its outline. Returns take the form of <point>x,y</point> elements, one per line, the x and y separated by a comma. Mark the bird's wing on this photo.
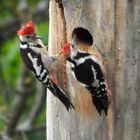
<point>99,89</point>
<point>99,79</point>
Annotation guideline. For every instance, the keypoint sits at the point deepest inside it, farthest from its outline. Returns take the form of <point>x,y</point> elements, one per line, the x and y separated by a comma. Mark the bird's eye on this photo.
<point>28,36</point>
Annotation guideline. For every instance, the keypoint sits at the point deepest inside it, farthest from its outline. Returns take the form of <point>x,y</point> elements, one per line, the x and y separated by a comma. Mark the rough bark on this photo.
<point>114,25</point>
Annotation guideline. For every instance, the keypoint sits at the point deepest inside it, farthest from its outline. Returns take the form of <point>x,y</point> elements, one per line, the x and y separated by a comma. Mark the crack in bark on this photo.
<point>60,5</point>
<point>62,14</point>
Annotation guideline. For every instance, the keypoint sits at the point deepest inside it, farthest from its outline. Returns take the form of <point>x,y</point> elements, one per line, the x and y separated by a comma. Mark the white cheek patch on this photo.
<point>36,67</point>
<point>21,37</point>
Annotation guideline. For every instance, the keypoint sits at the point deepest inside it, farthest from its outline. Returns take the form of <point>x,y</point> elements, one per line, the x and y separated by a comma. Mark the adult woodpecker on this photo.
<point>36,62</point>
<point>88,72</point>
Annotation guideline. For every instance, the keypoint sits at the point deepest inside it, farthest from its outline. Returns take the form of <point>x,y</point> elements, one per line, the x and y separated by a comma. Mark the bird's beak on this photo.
<point>37,37</point>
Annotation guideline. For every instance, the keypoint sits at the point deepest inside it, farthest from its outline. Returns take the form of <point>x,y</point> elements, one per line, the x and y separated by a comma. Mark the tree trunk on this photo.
<point>115,26</point>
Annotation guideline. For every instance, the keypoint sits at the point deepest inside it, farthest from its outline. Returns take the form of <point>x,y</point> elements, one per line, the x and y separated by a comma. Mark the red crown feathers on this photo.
<point>26,29</point>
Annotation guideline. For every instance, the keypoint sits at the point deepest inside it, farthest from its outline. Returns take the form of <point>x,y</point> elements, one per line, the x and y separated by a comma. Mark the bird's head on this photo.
<point>27,33</point>
<point>66,50</point>
<point>70,48</point>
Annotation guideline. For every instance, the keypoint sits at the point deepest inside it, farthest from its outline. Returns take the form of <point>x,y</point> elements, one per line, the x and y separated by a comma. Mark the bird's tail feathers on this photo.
<point>101,103</point>
<point>58,92</point>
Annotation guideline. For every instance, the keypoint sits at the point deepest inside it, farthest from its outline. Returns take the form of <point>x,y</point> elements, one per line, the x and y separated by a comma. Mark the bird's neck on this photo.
<point>73,54</point>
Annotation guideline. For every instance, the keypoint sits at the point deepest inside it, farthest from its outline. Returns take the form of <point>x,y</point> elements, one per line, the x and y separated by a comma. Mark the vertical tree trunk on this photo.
<point>115,26</point>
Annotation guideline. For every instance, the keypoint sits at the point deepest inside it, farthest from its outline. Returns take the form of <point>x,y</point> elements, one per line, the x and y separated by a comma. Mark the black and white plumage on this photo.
<point>88,72</point>
<point>34,62</point>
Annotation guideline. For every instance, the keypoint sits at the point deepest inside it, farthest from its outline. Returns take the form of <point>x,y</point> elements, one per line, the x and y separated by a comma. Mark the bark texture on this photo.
<point>115,26</point>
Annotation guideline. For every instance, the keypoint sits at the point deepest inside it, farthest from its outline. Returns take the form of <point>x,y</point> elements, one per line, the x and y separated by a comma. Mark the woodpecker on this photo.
<point>88,73</point>
<point>33,60</point>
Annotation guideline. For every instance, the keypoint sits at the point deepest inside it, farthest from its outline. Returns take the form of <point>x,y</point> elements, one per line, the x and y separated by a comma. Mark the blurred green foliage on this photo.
<point>34,136</point>
<point>7,7</point>
<point>43,30</point>
<point>10,61</point>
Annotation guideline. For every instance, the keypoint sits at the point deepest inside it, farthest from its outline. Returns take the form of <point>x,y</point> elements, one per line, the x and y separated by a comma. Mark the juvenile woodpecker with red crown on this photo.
<point>88,72</point>
<point>36,58</point>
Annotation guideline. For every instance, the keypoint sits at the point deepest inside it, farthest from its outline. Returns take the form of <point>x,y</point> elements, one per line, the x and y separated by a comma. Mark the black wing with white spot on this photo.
<point>98,89</point>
